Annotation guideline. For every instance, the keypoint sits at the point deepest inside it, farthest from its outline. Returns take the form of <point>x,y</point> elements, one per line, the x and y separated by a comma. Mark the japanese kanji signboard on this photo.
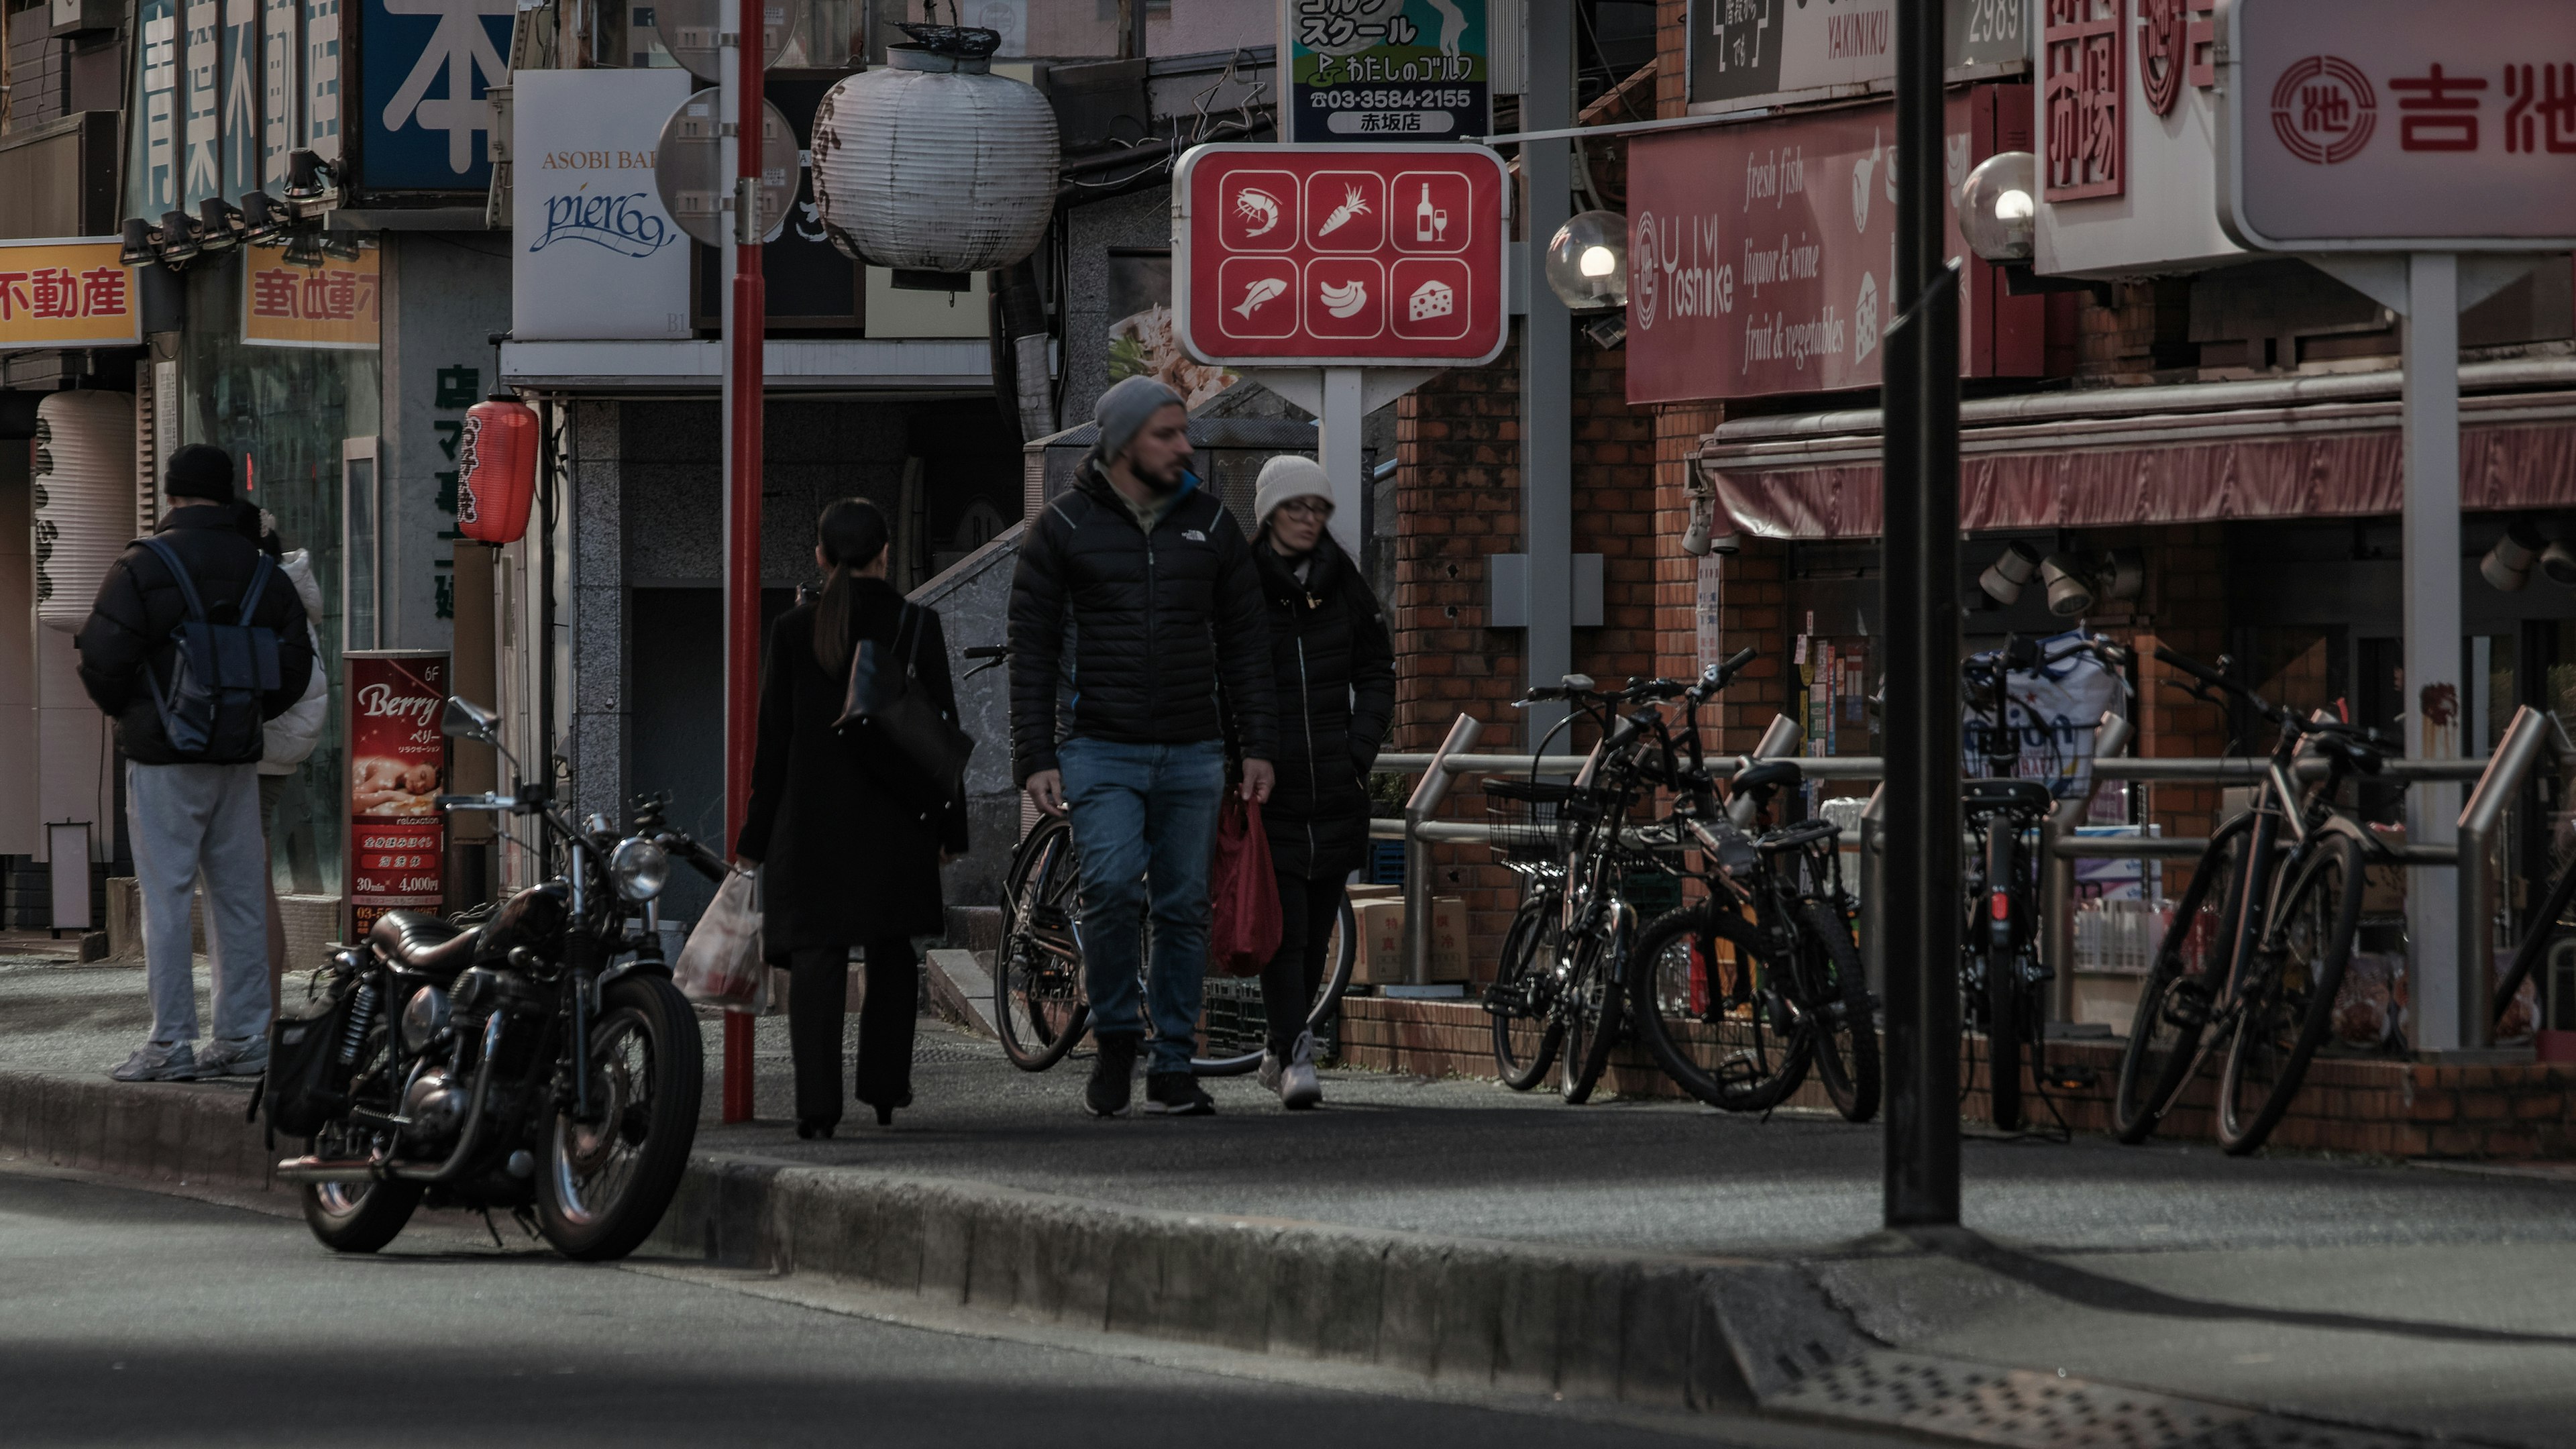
<point>2391,125</point>
<point>2082,83</point>
<point>67,292</point>
<point>1762,256</point>
<point>1745,53</point>
<point>1388,70</point>
<point>332,305</point>
<point>1339,255</point>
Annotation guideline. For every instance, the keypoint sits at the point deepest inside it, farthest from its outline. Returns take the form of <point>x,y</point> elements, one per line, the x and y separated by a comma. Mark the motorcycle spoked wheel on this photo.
<point>357,1217</point>
<point>603,1186</point>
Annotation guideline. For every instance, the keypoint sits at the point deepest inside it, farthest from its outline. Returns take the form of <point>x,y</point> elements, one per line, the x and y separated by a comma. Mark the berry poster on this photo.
<point>397,767</point>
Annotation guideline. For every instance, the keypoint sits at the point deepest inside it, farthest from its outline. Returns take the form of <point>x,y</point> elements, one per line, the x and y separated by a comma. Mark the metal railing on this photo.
<point>2498,781</point>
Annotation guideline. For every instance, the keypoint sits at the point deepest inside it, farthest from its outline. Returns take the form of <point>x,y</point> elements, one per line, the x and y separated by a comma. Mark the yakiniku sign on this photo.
<point>1339,255</point>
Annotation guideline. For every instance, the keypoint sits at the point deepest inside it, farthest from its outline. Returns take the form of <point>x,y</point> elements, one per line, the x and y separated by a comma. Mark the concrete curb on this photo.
<point>1731,1335</point>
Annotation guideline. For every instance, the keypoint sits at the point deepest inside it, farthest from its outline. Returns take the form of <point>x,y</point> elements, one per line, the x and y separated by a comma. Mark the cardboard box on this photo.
<point>2383,887</point>
<point>1381,953</point>
<point>1359,893</point>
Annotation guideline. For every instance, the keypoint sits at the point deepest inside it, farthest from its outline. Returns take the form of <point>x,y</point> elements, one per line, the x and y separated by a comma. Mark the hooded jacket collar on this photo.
<point>1093,480</point>
<point>1279,575</point>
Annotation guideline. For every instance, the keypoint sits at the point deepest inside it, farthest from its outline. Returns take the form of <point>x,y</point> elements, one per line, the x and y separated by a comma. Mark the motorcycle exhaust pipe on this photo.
<point>314,1169</point>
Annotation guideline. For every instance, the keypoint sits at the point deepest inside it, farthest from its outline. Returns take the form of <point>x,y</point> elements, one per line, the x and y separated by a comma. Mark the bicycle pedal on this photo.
<point>2073,1079</point>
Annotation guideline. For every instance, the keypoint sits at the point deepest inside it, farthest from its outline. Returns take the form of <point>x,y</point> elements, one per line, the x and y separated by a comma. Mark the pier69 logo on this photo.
<point>2324,110</point>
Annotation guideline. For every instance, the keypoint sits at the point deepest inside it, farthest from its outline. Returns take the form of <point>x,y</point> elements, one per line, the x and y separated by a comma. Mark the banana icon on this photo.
<point>1345,299</point>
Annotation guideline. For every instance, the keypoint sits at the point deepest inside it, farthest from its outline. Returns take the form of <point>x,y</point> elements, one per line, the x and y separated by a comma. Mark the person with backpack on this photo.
<point>195,642</point>
<point>1335,668</point>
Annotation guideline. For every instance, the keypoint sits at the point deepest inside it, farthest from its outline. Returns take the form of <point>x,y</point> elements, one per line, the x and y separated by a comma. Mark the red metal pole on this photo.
<point>742,502</point>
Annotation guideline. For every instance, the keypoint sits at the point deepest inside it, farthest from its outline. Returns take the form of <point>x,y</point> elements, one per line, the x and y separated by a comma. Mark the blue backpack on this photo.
<point>218,672</point>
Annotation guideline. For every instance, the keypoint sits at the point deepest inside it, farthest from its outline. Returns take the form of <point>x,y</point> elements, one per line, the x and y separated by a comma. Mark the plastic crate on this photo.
<point>1385,863</point>
<point>1234,1021</point>
<point>1652,893</point>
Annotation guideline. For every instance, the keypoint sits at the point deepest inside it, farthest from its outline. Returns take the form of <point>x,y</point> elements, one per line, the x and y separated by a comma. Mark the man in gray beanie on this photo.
<point>1169,658</point>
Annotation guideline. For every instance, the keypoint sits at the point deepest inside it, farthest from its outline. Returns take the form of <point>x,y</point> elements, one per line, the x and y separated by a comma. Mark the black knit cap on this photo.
<point>200,470</point>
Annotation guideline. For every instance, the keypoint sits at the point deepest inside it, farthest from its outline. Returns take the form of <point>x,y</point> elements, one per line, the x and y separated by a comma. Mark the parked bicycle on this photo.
<point>1039,1005</point>
<point>2003,984</point>
<point>2259,942</point>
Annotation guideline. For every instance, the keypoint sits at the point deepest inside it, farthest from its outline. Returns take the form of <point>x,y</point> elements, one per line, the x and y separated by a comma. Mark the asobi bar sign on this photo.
<point>1339,255</point>
<point>1760,256</point>
<point>2395,125</point>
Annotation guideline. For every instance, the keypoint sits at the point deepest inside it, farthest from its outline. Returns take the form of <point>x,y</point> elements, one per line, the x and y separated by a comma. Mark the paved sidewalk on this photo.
<point>2405,1297</point>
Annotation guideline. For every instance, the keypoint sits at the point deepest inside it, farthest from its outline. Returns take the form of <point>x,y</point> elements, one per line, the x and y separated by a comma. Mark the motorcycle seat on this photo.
<point>423,944</point>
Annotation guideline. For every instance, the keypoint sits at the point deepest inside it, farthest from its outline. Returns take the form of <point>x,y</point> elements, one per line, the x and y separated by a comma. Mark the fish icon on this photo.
<point>1259,292</point>
<point>1345,299</point>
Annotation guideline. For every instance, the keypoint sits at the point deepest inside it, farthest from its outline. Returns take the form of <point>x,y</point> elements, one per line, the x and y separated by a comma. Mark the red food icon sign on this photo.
<point>1340,255</point>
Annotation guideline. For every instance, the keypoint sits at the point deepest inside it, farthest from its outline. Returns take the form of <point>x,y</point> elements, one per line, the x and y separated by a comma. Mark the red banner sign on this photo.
<point>1348,256</point>
<point>1761,257</point>
<point>397,766</point>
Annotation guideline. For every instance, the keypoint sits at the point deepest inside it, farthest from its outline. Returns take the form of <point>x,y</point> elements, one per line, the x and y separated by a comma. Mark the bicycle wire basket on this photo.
<point>1533,822</point>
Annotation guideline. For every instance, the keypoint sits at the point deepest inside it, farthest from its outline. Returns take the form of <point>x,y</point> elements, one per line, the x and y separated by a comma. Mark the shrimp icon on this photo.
<point>1352,205</point>
<point>1253,204</point>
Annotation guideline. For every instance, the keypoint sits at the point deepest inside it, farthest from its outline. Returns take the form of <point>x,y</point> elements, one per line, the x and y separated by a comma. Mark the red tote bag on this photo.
<point>1245,932</point>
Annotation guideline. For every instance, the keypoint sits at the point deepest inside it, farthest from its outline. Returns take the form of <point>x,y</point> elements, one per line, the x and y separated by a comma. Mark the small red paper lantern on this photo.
<point>497,457</point>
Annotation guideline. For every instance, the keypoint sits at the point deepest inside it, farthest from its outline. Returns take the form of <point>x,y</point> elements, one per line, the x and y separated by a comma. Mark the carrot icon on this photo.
<point>1351,206</point>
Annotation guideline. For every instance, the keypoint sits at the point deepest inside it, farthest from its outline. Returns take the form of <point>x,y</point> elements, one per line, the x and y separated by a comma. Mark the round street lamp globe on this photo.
<point>1587,263</point>
<point>1996,210</point>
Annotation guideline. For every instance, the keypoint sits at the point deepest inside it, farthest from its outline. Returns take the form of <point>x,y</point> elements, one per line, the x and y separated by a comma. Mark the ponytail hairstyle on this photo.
<point>852,533</point>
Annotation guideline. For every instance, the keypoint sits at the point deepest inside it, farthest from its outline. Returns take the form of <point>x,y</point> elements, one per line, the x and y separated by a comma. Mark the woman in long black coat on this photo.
<point>1335,667</point>
<point>846,862</point>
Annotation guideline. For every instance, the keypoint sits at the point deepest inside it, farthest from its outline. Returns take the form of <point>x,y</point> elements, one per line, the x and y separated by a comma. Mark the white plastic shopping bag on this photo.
<point>722,963</point>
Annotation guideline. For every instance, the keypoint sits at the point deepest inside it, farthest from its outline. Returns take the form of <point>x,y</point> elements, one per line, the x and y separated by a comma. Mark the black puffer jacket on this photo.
<point>1336,672</point>
<point>1158,625</point>
<point>128,630</point>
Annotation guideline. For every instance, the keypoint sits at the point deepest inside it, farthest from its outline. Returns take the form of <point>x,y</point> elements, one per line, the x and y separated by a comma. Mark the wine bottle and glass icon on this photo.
<point>1430,223</point>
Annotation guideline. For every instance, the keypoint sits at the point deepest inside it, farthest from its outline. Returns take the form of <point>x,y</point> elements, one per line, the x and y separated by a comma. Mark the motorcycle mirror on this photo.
<point>465,721</point>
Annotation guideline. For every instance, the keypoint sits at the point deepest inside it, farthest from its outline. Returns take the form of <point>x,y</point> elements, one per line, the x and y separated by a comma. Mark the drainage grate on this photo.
<point>2031,1410</point>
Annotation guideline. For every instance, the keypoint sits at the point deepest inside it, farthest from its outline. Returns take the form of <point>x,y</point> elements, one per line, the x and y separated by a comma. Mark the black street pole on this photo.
<point>1921,605</point>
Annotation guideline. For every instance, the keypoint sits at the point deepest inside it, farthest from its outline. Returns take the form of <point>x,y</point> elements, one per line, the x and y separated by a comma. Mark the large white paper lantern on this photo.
<point>84,499</point>
<point>932,163</point>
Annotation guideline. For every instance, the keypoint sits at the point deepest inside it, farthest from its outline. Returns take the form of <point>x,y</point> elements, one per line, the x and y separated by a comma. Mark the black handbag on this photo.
<point>898,731</point>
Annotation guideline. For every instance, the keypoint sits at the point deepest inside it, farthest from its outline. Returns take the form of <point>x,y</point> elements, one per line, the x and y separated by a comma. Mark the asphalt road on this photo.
<point>128,1318</point>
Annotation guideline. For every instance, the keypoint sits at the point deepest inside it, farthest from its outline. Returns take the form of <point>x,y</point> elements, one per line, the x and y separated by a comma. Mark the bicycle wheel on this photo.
<point>1522,1000</point>
<point>2290,1005</point>
<point>1711,1020</point>
<point>1339,954</point>
<point>2175,998</point>
<point>1842,1021</point>
<point>1037,974</point>
<point>1591,1008</point>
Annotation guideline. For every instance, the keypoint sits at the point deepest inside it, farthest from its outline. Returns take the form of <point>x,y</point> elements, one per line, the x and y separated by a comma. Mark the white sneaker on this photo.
<point>160,1061</point>
<point>1295,1080</point>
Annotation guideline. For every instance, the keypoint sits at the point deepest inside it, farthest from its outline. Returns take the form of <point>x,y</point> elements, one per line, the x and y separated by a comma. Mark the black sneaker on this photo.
<point>1177,1094</point>
<point>1113,1077</point>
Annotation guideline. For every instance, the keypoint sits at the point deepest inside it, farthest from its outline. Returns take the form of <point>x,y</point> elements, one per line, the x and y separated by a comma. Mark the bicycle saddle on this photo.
<point>2033,795</point>
<point>1768,775</point>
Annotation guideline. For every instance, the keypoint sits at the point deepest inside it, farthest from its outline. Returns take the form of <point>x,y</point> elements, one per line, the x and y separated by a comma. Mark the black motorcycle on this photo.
<point>539,1061</point>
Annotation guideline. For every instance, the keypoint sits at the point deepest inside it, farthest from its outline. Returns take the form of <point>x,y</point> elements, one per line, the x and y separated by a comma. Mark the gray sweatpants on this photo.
<point>187,822</point>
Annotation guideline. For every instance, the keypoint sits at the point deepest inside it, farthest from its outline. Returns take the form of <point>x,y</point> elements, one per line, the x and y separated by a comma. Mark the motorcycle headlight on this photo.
<point>638,867</point>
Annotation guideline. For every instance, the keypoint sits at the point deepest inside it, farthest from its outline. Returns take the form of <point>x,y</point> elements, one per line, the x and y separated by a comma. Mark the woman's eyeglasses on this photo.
<point>1305,508</point>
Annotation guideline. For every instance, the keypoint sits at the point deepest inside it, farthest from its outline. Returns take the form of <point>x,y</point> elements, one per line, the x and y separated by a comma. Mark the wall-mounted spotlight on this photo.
<point>141,239</point>
<point>220,226</point>
<point>343,245</point>
<point>2070,585</point>
<point>2507,566</point>
<point>311,182</point>
<point>2003,579</point>
<point>178,239</point>
<point>304,248</point>
<point>2123,574</point>
<point>2559,562</point>
<point>264,219</point>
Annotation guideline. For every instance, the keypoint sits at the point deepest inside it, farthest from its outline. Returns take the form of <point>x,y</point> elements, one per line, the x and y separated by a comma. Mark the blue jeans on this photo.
<point>1144,820</point>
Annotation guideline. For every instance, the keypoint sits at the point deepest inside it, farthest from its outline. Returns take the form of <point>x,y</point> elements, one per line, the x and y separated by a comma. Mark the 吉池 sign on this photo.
<point>334,305</point>
<point>1762,257</point>
<point>1339,255</point>
<point>594,254</point>
<point>1387,70</point>
<point>67,292</point>
<point>1745,53</point>
<point>2391,125</point>
<point>397,766</point>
